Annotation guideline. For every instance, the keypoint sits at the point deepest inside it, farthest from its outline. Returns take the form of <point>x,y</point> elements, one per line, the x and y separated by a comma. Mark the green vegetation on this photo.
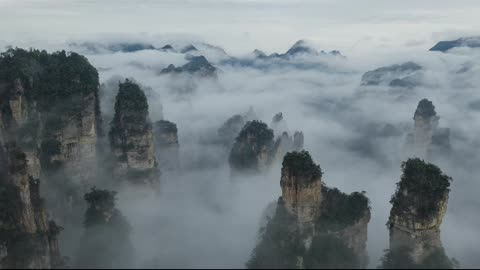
<point>340,210</point>
<point>106,243</point>
<point>330,252</point>
<point>99,202</point>
<point>425,185</point>
<point>164,126</point>
<point>301,164</point>
<point>59,82</point>
<point>131,111</point>
<point>279,245</point>
<point>425,109</point>
<point>254,138</point>
<point>400,258</point>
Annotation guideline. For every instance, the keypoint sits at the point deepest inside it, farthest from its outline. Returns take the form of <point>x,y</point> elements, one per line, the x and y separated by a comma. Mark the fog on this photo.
<point>204,218</point>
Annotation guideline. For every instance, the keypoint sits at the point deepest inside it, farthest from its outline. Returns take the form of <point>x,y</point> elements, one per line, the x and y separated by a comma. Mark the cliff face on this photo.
<point>106,241</point>
<point>428,139</point>
<point>418,208</point>
<point>27,238</point>
<point>314,226</point>
<point>131,137</point>
<point>253,149</point>
<point>166,143</point>
<point>49,106</point>
<point>301,187</point>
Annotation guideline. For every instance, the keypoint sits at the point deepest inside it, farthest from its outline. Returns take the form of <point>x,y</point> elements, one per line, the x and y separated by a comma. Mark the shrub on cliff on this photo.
<point>301,164</point>
<point>58,81</point>
<point>131,110</point>
<point>254,138</point>
<point>422,187</point>
<point>106,242</point>
<point>340,210</point>
<point>279,244</point>
<point>425,109</point>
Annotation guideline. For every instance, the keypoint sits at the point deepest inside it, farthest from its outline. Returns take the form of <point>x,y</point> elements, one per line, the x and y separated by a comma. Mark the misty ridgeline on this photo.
<point>91,177</point>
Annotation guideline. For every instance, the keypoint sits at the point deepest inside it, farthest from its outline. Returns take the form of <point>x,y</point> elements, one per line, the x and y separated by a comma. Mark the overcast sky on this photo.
<point>351,26</point>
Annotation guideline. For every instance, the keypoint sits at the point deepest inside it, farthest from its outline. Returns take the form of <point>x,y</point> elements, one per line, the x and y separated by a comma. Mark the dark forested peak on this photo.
<point>421,190</point>
<point>300,46</point>
<point>398,75</point>
<point>50,78</point>
<point>256,130</point>
<point>167,47</point>
<point>165,126</point>
<point>277,117</point>
<point>101,205</point>
<point>130,98</point>
<point>301,164</point>
<point>259,54</point>
<point>197,65</point>
<point>425,109</point>
<point>340,210</point>
<point>111,47</point>
<point>444,46</point>
<point>130,47</point>
<point>253,149</point>
<point>189,48</point>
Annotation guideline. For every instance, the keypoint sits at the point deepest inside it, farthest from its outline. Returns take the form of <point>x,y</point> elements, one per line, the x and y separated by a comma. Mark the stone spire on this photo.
<point>131,136</point>
<point>253,149</point>
<point>27,238</point>
<point>418,208</point>
<point>166,142</point>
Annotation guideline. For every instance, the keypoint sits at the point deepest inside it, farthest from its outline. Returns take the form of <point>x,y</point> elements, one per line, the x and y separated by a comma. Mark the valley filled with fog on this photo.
<point>354,98</point>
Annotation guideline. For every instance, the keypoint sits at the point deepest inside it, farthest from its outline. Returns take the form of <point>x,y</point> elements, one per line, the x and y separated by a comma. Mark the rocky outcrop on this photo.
<point>418,208</point>
<point>468,42</point>
<point>106,242</point>
<point>407,75</point>
<point>49,106</point>
<point>197,65</point>
<point>27,238</point>
<point>428,139</point>
<point>166,143</point>
<point>314,226</point>
<point>301,187</point>
<point>131,137</point>
<point>253,149</point>
<point>51,109</point>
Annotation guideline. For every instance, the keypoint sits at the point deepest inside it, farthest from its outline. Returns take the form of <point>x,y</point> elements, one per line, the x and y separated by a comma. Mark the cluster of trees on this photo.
<point>254,138</point>
<point>422,187</point>
<point>425,109</point>
<point>340,210</point>
<point>301,164</point>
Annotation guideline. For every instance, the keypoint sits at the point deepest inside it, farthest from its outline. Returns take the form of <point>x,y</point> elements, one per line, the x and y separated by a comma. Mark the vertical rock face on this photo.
<point>49,106</point>
<point>285,143</point>
<point>301,186</point>
<point>166,143</point>
<point>253,149</point>
<point>106,242</point>
<point>428,139</point>
<point>314,226</point>
<point>418,208</point>
<point>27,238</point>
<point>131,137</point>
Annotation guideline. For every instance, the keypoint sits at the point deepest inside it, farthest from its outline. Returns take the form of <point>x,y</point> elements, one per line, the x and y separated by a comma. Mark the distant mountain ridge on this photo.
<point>444,46</point>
